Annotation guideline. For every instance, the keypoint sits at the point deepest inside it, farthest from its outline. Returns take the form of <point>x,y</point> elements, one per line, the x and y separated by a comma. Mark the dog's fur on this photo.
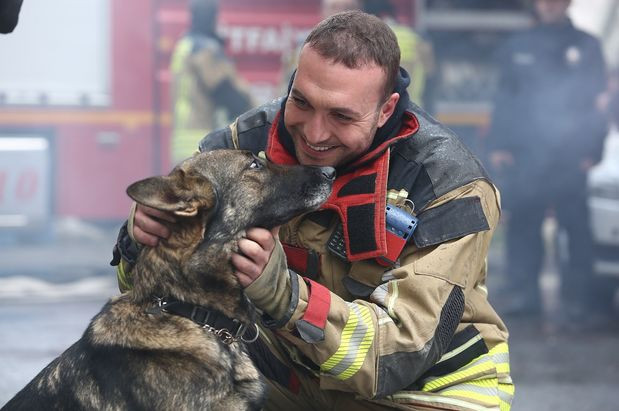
<point>133,356</point>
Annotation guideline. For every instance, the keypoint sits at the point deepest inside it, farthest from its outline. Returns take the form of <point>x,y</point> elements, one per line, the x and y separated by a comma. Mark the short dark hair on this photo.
<point>355,39</point>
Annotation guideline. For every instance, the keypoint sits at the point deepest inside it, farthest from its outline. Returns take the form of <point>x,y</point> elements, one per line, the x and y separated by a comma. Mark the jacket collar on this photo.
<point>360,190</point>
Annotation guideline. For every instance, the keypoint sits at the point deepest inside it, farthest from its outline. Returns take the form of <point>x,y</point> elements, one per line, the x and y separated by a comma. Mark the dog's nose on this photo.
<point>328,172</point>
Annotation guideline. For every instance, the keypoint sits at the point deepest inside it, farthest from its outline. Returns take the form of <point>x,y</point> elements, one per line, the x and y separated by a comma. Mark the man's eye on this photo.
<point>256,164</point>
<point>342,117</point>
<point>299,102</point>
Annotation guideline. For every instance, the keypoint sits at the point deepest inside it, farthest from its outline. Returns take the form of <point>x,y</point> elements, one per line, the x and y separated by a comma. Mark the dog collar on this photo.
<point>229,330</point>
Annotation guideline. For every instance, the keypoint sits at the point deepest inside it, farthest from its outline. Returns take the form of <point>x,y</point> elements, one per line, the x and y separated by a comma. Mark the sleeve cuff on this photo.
<point>272,291</point>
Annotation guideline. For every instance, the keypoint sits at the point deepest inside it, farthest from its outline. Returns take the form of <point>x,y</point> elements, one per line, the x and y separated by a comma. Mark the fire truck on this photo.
<point>85,101</point>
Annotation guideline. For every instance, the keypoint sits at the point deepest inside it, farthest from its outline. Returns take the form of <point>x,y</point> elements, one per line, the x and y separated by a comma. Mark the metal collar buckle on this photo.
<point>199,315</point>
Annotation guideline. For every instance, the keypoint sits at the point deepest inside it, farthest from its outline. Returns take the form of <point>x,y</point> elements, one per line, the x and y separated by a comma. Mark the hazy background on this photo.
<point>85,111</point>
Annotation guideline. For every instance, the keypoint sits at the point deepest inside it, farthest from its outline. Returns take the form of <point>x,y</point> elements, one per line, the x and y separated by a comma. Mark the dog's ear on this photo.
<point>178,193</point>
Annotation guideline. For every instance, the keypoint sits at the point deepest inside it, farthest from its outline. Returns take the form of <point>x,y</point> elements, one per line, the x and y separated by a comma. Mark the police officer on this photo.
<point>206,90</point>
<point>9,15</point>
<point>546,133</point>
<point>360,309</point>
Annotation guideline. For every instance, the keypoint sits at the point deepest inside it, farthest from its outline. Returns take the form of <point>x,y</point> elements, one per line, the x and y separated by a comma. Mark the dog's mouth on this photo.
<point>308,198</point>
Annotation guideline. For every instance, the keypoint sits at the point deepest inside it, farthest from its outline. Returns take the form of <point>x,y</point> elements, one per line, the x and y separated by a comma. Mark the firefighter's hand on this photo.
<point>253,254</point>
<point>501,159</point>
<point>148,227</point>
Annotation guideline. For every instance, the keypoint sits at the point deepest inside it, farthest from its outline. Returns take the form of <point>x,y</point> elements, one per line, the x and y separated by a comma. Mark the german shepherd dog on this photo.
<point>175,341</point>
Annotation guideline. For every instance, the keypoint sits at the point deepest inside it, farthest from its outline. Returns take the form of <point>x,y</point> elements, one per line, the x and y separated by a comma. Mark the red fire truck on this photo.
<point>84,94</point>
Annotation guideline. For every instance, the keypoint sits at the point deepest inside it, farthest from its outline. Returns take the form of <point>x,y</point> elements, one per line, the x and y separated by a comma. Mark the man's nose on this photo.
<point>317,131</point>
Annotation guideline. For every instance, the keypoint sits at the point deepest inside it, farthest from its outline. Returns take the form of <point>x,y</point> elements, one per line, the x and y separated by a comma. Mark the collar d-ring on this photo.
<point>254,339</point>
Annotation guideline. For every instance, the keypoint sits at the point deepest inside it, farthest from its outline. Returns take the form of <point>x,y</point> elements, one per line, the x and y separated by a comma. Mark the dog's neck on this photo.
<point>184,268</point>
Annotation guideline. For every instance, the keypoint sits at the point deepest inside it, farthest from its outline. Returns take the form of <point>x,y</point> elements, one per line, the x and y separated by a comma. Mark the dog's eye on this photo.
<point>256,164</point>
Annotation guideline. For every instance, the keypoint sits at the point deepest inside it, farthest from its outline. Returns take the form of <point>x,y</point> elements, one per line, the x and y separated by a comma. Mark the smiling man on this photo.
<point>378,300</point>
<point>333,111</point>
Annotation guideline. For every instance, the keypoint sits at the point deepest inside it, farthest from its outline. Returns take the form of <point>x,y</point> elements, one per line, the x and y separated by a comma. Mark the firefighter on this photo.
<point>206,90</point>
<point>355,316</point>
<point>417,55</point>
<point>546,133</point>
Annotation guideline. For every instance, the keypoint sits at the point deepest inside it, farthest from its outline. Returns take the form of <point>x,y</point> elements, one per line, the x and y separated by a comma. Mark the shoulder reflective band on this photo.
<point>312,325</point>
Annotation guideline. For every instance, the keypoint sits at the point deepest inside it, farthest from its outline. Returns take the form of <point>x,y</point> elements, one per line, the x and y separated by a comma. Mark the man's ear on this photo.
<point>177,193</point>
<point>386,110</point>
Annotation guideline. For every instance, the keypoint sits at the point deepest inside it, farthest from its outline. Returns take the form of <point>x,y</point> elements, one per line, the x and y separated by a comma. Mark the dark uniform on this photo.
<point>545,116</point>
<point>9,15</point>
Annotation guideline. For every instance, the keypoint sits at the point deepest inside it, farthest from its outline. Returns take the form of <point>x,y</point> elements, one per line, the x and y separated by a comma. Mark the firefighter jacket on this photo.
<point>545,111</point>
<point>207,93</point>
<point>413,326</point>
<point>417,330</point>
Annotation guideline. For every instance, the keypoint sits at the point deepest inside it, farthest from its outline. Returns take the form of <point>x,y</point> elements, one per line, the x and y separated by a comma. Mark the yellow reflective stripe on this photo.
<point>482,384</point>
<point>506,395</point>
<point>392,299</point>
<point>495,362</point>
<point>484,391</point>
<point>507,388</point>
<point>465,383</point>
<point>459,349</point>
<point>435,399</point>
<point>488,400</point>
<point>501,348</point>
<point>500,355</point>
<point>355,342</point>
<point>502,368</point>
<point>182,50</point>
<point>407,40</point>
<point>487,391</point>
<point>482,365</point>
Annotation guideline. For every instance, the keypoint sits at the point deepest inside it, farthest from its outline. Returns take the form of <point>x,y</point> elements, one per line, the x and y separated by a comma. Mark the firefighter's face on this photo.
<point>333,111</point>
<point>551,11</point>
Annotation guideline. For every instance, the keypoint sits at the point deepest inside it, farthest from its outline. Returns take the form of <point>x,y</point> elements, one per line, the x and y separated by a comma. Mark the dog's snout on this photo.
<point>328,172</point>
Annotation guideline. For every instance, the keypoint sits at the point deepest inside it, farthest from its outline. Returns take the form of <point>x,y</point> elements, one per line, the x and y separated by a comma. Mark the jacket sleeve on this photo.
<point>376,346</point>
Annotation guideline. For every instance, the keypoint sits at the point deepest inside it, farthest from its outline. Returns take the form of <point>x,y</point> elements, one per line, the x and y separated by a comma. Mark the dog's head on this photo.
<point>235,190</point>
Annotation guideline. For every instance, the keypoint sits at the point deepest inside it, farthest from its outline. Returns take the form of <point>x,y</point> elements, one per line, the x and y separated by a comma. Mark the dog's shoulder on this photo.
<point>125,324</point>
